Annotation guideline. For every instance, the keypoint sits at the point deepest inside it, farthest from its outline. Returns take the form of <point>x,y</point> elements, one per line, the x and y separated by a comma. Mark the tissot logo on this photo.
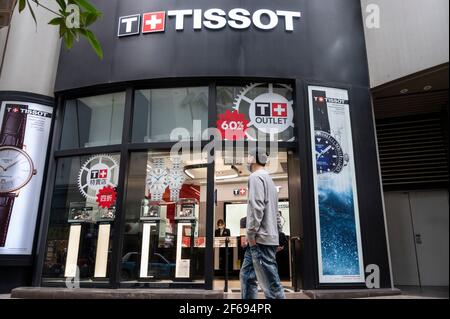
<point>17,109</point>
<point>271,109</point>
<point>322,99</point>
<point>213,19</point>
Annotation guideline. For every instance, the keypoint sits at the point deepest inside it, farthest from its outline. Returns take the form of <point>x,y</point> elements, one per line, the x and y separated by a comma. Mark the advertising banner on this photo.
<point>336,200</point>
<point>24,134</point>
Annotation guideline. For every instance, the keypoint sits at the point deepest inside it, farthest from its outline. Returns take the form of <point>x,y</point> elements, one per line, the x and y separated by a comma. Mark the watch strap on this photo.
<point>13,125</point>
<point>174,194</point>
<point>6,206</point>
<point>158,162</point>
<point>156,197</point>
<point>320,109</point>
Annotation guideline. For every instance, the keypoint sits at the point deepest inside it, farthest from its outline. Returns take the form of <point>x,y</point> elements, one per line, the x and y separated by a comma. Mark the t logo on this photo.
<point>94,174</point>
<point>129,25</point>
<point>319,99</point>
<point>262,109</point>
<point>279,109</point>
<point>153,22</point>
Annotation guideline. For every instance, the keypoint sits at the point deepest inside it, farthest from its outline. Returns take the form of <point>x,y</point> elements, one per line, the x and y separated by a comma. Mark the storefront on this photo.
<point>119,210</point>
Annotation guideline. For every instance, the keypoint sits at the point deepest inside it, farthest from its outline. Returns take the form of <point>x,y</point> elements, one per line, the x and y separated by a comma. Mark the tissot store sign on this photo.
<point>213,19</point>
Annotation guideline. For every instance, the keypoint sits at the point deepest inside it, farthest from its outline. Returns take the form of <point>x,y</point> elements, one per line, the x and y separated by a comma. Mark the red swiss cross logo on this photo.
<point>153,22</point>
<point>279,109</point>
<point>103,173</point>
<point>106,197</point>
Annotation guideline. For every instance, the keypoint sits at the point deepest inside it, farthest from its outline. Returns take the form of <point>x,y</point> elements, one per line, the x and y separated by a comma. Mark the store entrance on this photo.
<point>230,219</point>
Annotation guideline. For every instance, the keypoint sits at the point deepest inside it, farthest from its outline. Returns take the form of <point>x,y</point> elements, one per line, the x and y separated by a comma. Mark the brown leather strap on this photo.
<point>6,205</point>
<point>13,126</point>
<point>12,134</point>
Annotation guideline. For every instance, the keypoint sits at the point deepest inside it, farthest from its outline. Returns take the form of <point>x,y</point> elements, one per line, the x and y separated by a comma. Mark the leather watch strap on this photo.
<point>6,205</point>
<point>13,126</point>
<point>12,133</point>
<point>320,107</point>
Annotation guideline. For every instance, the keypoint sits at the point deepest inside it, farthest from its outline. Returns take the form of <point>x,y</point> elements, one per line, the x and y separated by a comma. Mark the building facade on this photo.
<point>99,134</point>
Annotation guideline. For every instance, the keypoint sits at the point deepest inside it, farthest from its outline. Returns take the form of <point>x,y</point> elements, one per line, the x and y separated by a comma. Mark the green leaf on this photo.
<point>69,39</point>
<point>95,44</point>
<point>22,4</point>
<point>62,4</point>
<point>90,18</point>
<point>86,5</point>
<point>62,30</point>
<point>56,21</point>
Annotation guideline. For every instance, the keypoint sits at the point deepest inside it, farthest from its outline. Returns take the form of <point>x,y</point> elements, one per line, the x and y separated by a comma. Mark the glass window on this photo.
<point>158,111</point>
<point>82,213</point>
<point>262,110</point>
<point>165,218</point>
<point>93,121</point>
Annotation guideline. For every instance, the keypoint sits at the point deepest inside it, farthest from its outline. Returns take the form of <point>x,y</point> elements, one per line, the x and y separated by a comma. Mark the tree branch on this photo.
<point>46,8</point>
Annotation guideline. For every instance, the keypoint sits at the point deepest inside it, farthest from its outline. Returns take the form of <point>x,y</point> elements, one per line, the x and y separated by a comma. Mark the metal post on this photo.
<point>227,240</point>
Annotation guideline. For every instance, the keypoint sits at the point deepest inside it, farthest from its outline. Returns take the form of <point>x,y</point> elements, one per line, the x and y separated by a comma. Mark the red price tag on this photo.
<point>232,125</point>
<point>106,197</point>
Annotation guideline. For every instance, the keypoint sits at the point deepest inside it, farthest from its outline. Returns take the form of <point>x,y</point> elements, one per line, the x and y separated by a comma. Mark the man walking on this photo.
<point>263,226</point>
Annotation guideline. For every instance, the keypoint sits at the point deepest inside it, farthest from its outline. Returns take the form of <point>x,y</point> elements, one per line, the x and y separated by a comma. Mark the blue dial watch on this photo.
<point>330,157</point>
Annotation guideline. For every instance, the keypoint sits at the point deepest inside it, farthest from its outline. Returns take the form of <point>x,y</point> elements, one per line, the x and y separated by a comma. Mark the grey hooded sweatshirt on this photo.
<point>263,220</point>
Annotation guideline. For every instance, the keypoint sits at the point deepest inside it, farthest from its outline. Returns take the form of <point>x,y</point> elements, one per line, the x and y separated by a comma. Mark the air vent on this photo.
<point>413,152</point>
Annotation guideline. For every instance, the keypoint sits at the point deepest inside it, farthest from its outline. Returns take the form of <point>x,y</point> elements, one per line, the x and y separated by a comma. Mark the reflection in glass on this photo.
<point>93,121</point>
<point>158,111</point>
<point>164,234</point>
<point>75,223</point>
<point>265,106</point>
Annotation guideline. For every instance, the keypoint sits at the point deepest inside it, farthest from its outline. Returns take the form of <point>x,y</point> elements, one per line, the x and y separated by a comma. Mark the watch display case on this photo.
<point>150,212</point>
<point>107,214</point>
<point>187,210</point>
<point>80,213</point>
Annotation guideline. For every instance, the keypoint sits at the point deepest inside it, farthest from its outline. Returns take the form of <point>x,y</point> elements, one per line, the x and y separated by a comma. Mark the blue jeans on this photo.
<point>260,264</point>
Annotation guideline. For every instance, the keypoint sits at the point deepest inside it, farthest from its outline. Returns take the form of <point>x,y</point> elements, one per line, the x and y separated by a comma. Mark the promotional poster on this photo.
<point>336,202</point>
<point>24,134</point>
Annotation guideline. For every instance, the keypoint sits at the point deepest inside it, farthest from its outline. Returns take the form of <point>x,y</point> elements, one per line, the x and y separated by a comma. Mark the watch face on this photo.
<point>329,154</point>
<point>16,169</point>
<point>158,176</point>
<point>176,180</point>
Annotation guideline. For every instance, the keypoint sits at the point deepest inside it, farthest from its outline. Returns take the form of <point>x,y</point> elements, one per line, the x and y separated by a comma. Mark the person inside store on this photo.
<point>221,231</point>
<point>263,226</point>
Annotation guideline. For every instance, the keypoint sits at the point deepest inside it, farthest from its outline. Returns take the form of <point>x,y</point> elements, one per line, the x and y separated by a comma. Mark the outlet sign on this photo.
<point>213,19</point>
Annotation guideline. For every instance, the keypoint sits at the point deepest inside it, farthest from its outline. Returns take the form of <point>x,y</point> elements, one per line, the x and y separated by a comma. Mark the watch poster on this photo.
<point>340,257</point>
<point>24,136</point>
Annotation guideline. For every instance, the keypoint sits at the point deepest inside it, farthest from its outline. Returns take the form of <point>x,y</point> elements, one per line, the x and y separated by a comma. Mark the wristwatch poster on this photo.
<point>24,134</point>
<point>335,190</point>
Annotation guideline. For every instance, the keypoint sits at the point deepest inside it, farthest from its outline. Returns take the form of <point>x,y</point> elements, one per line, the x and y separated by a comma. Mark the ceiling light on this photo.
<point>222,173</point>
<point>427,87</point>
<point>404,91</point>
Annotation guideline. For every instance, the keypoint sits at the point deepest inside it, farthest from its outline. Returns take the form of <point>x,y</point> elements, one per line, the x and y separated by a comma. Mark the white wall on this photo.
<point>413,36</point>
<point>31,54</point>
